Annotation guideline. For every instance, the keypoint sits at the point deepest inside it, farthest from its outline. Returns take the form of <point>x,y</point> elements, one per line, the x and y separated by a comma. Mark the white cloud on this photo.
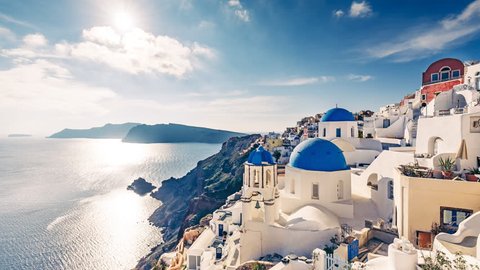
<point>32,46</point>
<point>39,93</point>
<point>433,38</point>
<point>243,14</point>
<point>137,51</point>
<point>223,93</point>
<point>359,78</point>
<point>299,81</point>
<point>206,24</point>
<point>360,9</point>
<point>234,3</point>
<point>10,19</point>
<point>239,11</point>
<point>338,13</point>
<point>35,40</point>
<point>200,50</point>
<point>7,34</point>
<point>134,51</point>
<point>186,4</point>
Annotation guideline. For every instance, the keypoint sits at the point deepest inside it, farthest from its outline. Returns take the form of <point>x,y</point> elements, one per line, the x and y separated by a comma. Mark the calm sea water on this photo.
<point>64,203</point>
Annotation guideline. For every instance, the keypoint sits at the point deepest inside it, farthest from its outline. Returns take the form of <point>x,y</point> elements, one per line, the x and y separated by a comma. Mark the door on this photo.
<point>424,239</point>
<point>386,123</point>
<point>220,230</point>
<point>353,249</point>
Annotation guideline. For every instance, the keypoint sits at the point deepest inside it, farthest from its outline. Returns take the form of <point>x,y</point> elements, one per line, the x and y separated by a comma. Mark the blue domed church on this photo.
<point>338,123</point>
<point>304,206</point>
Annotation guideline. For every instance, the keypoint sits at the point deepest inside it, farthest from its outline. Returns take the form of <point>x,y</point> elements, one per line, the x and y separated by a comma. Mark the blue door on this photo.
<point>353,249</point>
<point>339,133</point>
<point>220,230</point>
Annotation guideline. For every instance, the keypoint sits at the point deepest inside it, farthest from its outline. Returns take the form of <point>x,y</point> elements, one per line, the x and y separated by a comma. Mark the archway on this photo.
<point>434,145</point>
<point>372,181</point>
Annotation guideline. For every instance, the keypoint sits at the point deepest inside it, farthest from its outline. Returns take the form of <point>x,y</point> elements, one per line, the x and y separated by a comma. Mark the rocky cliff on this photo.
<point>187,199</point>
<point>175,133</point>
<point>108,131</point>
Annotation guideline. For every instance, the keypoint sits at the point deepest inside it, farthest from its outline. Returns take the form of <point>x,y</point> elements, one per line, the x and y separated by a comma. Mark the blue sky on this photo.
<point>233,64</point>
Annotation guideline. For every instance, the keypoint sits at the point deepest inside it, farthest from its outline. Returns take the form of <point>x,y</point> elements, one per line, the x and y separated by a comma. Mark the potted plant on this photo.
<point>447,166</point>
<point>472,174</point>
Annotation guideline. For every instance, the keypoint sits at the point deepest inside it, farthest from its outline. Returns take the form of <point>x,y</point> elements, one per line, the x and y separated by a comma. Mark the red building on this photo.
<point>441,76</point>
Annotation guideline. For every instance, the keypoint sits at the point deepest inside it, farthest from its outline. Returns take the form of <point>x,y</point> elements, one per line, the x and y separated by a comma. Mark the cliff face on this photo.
<point>187,199</point>
<point>175,133</point>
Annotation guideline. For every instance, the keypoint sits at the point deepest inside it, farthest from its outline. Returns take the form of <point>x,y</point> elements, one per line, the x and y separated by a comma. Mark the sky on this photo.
<point>250,66</point>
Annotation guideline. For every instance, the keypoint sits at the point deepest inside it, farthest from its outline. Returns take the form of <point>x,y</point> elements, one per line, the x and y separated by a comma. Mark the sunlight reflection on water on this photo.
<point>64,203</point>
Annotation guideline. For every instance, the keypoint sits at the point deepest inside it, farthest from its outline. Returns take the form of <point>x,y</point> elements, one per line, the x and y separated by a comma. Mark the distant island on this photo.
<point>176,133</point>
<point>108,131</point>
<point>16,135</point>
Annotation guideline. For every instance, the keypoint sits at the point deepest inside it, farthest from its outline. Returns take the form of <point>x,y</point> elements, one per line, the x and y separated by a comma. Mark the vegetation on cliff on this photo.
<point>175,133</point>
<point>201,191</point>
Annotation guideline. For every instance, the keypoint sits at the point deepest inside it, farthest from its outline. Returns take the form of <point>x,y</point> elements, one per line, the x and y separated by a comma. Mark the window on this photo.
<point>434,77</point>
<point>340,190</point>
<point>339,132</point>
<point>390,190</point>
<point>450,218</point>
<point>269,178</point>
<point>192,262</point>
<point>292,186</point>
<point>424,96</point>
<point>324,132</point>
<point>445,73</point>
<point>256,180</point>
<point>352,131</point>
<point>315,191</point>
<point>456,73</point>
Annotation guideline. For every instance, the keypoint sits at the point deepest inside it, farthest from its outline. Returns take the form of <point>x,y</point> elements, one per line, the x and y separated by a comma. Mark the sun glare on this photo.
<point>123,21</point>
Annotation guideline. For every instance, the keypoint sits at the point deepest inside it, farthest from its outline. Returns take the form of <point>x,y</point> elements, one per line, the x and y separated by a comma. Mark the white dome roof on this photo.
<point>312,218</point>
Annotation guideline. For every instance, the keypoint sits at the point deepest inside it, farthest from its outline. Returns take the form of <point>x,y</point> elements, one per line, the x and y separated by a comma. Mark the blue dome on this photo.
<point>260,156</point>
<point>318,155</point>
<point>337,115</point>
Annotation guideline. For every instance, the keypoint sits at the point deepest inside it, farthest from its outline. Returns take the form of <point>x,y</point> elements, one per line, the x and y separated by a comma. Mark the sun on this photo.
<point>123,21</point>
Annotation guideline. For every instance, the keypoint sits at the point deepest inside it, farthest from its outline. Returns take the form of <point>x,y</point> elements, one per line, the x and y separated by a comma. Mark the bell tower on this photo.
<point>260,188</point>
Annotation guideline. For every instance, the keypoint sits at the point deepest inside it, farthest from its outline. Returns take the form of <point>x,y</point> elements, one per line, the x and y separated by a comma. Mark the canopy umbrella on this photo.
<point>462,151</point>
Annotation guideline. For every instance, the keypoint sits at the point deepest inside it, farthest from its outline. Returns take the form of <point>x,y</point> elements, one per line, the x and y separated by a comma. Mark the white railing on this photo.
<point>332,262</point>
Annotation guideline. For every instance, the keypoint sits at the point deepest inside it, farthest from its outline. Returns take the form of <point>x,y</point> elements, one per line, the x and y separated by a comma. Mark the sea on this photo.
<point>64,203</point>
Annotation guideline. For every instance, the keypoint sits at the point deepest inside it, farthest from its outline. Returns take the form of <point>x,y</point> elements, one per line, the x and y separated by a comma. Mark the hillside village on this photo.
<point>393,189</point>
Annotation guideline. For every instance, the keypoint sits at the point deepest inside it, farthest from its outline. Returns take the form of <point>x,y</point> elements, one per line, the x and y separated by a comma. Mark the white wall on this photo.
<point>327,182</point>
<point>382,167</point>
<point>328,194</point>
<point>331,129</point>
<point>380,197</point>
<point>448,128</point>
<point>472,141</point>
<point>395,130</point>
<point>360,156</point>
<point>470,77</point>
<point>259,239</point>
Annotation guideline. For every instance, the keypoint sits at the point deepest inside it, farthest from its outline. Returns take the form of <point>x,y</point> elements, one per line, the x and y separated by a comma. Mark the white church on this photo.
<point>300,213</point>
